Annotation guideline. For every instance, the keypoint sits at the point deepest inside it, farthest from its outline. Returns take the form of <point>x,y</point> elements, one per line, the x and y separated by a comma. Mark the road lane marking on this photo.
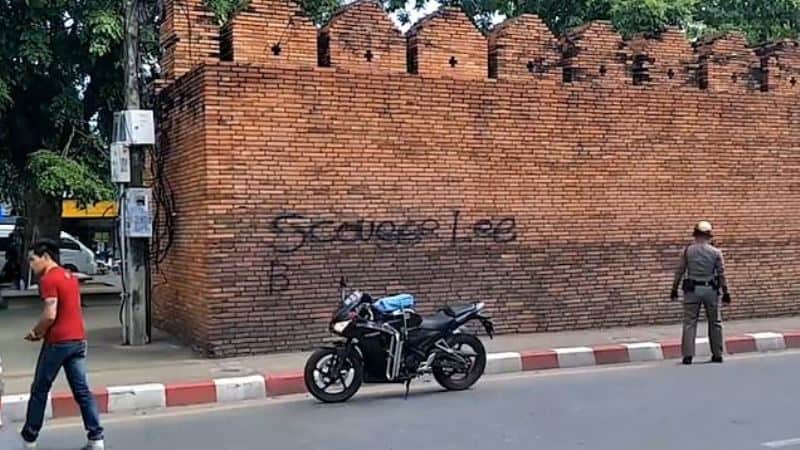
<point>372,391</point>
<point>783,443</point>
<point>384,390</point>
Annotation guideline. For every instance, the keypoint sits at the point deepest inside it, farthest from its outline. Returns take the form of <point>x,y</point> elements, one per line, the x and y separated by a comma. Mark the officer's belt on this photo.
<point>703,283</point>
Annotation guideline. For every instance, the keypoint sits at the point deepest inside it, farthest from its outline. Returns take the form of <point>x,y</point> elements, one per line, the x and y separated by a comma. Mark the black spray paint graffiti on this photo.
<point>278,279</point>
<point>295,231</point>
<point>505,230</point>
<point>299,231</point>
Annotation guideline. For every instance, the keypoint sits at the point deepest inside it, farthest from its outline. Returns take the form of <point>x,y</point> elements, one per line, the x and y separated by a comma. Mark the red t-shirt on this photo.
<point>61,284</point>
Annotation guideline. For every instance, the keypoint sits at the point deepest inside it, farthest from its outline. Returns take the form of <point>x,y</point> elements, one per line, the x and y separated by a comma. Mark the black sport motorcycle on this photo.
<point>395,345</point>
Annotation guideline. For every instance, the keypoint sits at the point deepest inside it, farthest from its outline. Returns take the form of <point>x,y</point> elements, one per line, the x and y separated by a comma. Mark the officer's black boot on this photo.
<point>687,360</point>
<point>716,359</point>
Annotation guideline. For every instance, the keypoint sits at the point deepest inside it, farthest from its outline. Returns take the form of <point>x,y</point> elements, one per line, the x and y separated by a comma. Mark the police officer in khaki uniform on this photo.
<point>702,272</point>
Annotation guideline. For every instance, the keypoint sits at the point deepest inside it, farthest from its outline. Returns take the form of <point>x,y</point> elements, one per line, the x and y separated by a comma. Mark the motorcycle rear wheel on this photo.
<point>458,381</point>
<point>319,379</point>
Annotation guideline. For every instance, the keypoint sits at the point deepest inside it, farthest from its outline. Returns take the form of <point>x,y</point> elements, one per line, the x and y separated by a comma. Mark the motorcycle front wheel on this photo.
<point>331,378</point>
<point>471,348</point>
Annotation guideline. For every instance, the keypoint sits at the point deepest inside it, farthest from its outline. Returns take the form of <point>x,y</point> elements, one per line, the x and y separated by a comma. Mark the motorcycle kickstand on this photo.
<point>408,387</point>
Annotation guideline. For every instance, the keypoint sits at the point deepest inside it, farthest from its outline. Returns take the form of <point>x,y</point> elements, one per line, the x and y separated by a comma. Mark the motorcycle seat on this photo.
<point>460,310</point>
<point>439,321</point>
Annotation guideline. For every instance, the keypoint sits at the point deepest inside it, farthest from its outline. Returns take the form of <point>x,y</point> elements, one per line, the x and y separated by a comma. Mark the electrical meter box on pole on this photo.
<point>138,213</point>
<point>134,127</point>
<point>120,163</point>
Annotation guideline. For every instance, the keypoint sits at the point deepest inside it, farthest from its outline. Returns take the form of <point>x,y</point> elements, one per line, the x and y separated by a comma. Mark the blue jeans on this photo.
<point>72,357</point>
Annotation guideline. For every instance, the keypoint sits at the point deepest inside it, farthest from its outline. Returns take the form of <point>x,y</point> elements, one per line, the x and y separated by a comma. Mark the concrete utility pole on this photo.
<point>135,296</point>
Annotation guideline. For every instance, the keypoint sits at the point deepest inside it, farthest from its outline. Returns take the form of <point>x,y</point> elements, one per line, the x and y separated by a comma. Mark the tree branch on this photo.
<point>65,151</point>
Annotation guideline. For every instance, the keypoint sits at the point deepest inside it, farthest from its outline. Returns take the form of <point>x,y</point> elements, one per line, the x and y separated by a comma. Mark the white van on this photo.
<point>74,255</point>
<point>77,257</point>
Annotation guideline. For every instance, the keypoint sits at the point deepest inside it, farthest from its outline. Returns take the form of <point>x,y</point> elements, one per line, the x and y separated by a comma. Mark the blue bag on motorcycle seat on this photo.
<point>394,303</point>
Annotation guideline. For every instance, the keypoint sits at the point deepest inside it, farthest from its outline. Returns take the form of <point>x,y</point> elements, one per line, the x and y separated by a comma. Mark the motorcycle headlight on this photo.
<point>339,327</point>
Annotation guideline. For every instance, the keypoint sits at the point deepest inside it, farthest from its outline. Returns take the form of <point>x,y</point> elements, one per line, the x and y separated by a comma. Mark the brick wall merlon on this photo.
<point>271,32</point>
<point>446,43</point>
<point>524,48</point>
<point>723,47</point>
<point>189,36</point>
<point>666,58</point>
<point>730,65</point>
<point>361,37</point>
<point>594,52</point>
<point>781,59</point>
<point>727,64</point>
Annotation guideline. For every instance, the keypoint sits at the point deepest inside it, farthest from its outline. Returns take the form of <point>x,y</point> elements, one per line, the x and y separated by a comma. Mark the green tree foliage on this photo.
<point>319,10</point>
<point>632,17</point>
<point>60,78</point>
<point>760,20</point>
<point>225,10</point>
<point>56,175</point>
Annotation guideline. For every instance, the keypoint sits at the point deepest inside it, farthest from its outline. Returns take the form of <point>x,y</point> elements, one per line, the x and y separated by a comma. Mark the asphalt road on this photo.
<point>748,403</point>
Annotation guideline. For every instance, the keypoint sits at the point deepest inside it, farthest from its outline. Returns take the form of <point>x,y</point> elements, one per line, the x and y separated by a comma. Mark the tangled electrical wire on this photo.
<point>164,209</point>
<point>163,195</point>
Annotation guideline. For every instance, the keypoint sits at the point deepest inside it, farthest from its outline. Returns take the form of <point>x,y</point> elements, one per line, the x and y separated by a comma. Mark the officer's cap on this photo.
<point>703,227</point>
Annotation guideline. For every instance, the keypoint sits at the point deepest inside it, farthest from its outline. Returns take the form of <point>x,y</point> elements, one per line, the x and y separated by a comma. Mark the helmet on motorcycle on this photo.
<point>703,228</point>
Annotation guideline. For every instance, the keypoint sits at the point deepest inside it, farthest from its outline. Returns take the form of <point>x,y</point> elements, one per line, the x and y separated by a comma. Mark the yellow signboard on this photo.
<point>100,210</point>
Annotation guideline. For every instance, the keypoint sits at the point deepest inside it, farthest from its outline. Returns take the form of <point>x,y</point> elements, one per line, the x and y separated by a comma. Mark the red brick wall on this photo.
<point>595,52</point>
<point>271,32</point>
<point>664,60</point>
<point>180,283</point>
<point>361,37</point>
<point>563,206</point>
<point>782,59</point>
<point>189,35</point>
<point>729,64</point>
<point>447,44</point>
<point>526,48</point>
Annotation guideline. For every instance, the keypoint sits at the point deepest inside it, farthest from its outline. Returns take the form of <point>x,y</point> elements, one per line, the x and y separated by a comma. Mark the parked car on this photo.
<point>74,255</point>
<point>77,257</point>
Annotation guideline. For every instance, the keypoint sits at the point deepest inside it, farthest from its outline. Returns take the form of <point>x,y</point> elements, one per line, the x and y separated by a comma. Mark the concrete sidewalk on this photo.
<point>103,288</point>
<point>166,361</point>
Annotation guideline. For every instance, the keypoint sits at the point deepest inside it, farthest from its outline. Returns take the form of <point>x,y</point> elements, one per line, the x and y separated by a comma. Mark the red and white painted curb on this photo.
<point>144,397</point>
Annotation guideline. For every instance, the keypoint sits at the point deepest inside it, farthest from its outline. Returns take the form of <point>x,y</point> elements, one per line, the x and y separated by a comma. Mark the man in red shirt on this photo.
<point>61,328</point>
